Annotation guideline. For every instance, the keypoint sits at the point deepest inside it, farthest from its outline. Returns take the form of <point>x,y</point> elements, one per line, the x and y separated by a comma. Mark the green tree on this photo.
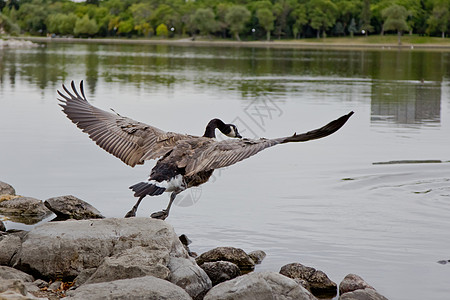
<point>322,15</point>
<point>61,23</point>
<point>162,30</point>
<point>31,17</point>
<point>204,20</point>
<point>366,15</point>
<point>236,18</point>
<point>282,10</point>
<point>265,18</point>
<point>85,27</point>
<point>352,27</point>
<point>439,19</point>
<point>395,19</point>
<point>299,14</point>
<point>125,27</point>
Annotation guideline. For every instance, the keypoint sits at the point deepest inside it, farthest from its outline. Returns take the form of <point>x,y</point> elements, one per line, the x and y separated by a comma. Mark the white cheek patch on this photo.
<point>231,133</point>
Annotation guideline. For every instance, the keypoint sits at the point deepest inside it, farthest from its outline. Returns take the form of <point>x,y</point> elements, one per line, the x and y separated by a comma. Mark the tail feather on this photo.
<point>143,189</point>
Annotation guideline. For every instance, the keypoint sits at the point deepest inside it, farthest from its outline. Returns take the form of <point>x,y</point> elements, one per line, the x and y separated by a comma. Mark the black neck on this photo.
<point>211,128</point>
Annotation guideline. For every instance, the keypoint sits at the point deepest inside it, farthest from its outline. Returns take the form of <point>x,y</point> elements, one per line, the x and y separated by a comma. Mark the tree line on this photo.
<point>239,19</point>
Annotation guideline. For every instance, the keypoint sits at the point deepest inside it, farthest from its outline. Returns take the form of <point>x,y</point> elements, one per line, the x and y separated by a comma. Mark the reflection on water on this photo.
<point>386,222</point>
<point>406,102</point>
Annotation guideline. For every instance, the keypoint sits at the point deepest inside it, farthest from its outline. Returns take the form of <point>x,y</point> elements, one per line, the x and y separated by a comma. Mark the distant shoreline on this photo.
<point>324,44</point>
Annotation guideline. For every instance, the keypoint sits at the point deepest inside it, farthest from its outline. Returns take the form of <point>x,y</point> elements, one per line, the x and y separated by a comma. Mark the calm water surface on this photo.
<point>323,203</point>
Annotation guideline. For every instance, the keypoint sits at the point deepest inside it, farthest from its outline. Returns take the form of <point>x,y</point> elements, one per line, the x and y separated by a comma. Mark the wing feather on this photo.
<point>225,153</point>
<point>131,141</point>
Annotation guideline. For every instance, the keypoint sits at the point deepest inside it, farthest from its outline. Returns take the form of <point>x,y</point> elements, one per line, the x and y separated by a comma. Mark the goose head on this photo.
<point>229,130</point>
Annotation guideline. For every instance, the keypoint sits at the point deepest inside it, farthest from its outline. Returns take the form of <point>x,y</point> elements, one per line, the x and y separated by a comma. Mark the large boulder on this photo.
<point>63,249</point>
<point>70,207</point>
<point>6,189</point>
<point>220,271</point>
<point>319,282</point>
<point>105,250</point>
<point>235,255</point>
<point>261,286</point>
<point>147,287</point>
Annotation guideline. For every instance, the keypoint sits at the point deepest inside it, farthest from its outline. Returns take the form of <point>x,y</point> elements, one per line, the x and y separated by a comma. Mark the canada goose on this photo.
<point>185,160</point>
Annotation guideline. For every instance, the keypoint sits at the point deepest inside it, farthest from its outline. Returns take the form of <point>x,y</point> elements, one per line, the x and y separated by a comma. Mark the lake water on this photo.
<point>327,203</point>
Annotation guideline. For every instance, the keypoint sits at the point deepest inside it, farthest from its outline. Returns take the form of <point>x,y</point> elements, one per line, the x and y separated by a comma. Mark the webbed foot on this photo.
<point>162,215</point>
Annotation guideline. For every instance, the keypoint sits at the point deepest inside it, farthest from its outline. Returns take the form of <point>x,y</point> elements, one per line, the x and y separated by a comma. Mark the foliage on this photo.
<point>162,30</point>
<point>85,27</point>
<point>225,18</point>
<point>236,18</point>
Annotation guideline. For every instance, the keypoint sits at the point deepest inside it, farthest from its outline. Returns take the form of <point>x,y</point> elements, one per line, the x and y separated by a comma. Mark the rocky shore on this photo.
<point>83,255</point>
<point>17,43</point>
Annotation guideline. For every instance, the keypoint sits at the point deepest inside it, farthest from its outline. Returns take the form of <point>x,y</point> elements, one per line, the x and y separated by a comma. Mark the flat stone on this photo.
<point>220,271</point>
<point>319,282</point>
<point>231,254</point>
<point>261,286</point>
<point>70,207</point>
<point>147,287</point>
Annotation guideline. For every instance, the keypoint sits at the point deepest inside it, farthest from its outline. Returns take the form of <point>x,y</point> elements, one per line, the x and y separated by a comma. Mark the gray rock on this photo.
<point>40,283</point>
<point>131,263</point>
<point>319,282</point>
<point>83,277</point>
<point>231,254</point>
<point>70,207</point>
<point>257,256</point>
<point>63,249</point>
<point>2,227</point>
<point>11,295</point>
<point>55,286</point>
<point>142,288</point>
<point>188,275</point>
<point>6,189</point>
<point>261,286</point>
<point>220,271</point>
<point>13,285</point>
<point>353,282</point>
<point>10,245</point>
<point>364,294</point>
<point>24,206</point>
<point>11,273</point>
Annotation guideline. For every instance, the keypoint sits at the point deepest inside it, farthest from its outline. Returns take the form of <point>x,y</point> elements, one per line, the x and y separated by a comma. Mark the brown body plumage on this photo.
<point>185,160</point>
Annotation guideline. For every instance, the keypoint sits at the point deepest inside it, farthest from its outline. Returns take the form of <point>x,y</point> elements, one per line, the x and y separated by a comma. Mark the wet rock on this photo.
<point>63,249</point>
<point>319,282</point>
<point>9,245</point>
<point>189,276</point>
<point>261,286</point>
<point>231,254</point>
<point>131,263</point>
<point>70,207</point>
<point>352,282</point>
<point>147,287</point>
<point>6,189</point>
<point>364,294</point>
<point>220,271</point>
<point>257,256</point>
<point>24,206</point>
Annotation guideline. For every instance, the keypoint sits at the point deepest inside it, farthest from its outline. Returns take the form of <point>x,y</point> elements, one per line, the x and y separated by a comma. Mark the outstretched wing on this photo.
<point>131,141</point>
<point>228,152</point>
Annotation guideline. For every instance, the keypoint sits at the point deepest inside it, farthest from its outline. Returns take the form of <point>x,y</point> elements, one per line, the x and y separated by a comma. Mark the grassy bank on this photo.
<point>372,42</point>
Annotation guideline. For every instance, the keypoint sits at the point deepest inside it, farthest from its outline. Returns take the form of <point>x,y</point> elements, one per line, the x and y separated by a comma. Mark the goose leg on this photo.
<point>132,212</point>
<point>163,214</point>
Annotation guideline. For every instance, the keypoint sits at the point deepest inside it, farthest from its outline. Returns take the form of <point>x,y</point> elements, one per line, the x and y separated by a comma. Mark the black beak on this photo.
<point>239,136</point>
